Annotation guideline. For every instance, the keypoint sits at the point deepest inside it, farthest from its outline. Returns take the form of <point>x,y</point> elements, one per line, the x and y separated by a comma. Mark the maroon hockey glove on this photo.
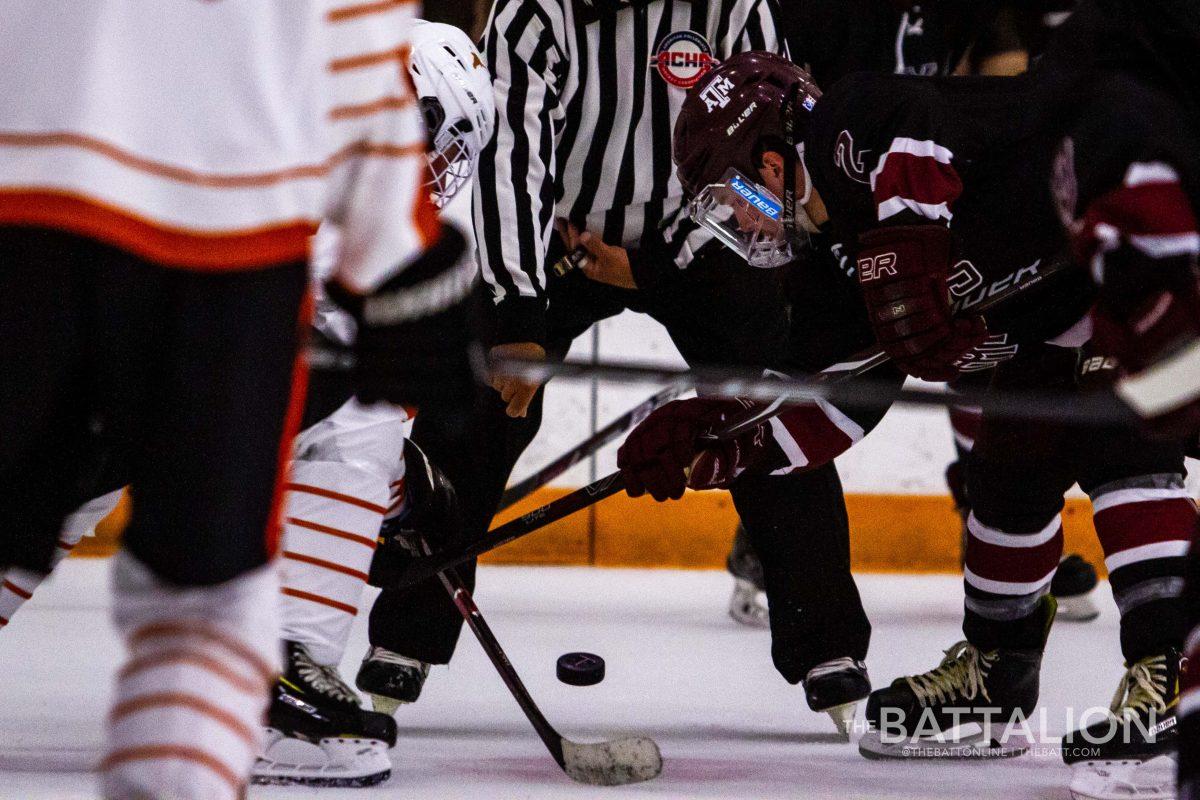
<point>1151,339</point>
<point>659,454</point>
<point>903,272</point>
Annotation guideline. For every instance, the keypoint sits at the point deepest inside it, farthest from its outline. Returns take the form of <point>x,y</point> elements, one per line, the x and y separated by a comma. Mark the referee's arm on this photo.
<point>514,184</point>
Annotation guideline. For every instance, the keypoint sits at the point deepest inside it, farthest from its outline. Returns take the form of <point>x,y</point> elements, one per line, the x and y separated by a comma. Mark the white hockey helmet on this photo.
<point>454,89</point>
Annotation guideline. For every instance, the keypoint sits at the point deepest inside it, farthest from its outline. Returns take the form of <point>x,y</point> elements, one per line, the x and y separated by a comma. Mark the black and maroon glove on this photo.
<point>1156,341</point>
<point>663,456</point>
<point>903,271</point>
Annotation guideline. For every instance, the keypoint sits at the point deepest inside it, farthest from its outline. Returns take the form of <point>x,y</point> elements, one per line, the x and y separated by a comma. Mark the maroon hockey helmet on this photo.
<point>748,100</point>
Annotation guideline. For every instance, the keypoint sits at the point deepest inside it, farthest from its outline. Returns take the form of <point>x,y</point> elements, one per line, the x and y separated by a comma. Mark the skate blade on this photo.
<point>385,705</point>
<point>335,762</point>
<point>974,747</point>
<point>1077,608</point>
<point>843,717</point>
<point>744,607</point>
<point>1124,780</point>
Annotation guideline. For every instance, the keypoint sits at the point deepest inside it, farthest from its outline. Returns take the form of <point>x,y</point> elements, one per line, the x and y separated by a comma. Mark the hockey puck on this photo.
<point>580,669</point>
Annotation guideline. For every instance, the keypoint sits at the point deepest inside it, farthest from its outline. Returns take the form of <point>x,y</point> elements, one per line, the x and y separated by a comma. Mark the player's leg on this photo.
<point>418,627</point>
<point>346,470</point>
<point>746,568</point>
<point>18,585</point>
<point>1018,474</point>
<point>206,367</point>
<point>1145,520</point>
<point>796,523</point>
<point>1189,699</point>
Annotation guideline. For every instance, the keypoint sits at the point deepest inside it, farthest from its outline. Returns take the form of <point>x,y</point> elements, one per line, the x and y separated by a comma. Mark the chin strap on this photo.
<point>795,218</point>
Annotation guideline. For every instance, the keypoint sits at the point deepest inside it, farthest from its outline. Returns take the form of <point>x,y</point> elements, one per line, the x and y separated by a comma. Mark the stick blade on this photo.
<point>614,763</point>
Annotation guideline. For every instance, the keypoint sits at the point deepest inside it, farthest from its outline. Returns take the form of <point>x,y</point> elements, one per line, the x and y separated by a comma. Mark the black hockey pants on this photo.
<point>184,381</point>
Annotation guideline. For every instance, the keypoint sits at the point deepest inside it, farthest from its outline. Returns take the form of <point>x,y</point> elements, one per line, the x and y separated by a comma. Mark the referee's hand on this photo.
<point>605,263</point>
<point>517,393</point>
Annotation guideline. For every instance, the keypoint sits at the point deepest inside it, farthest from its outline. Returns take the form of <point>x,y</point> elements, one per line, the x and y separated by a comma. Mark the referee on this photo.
<point>587,94</point>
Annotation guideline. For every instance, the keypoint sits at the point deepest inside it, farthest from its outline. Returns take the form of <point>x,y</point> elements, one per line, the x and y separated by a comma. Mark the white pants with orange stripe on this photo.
<point>347,477</point>
<point>17,586</point>
<point>186,721</point>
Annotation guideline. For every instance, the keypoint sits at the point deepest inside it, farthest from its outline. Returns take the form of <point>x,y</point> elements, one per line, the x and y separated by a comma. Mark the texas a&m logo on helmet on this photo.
<point>682,58</point>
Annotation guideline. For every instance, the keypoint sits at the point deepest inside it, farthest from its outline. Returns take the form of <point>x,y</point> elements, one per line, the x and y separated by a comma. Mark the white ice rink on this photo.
<point>678,670</point>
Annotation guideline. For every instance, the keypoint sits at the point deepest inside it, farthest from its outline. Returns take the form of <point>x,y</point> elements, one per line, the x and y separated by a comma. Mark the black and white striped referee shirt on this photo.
<point>587,92</point>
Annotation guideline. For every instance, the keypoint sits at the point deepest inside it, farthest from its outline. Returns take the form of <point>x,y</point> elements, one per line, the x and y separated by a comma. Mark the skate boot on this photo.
<point>922,716</point>
<point>1073,586</point>
<point>837,687</point>
<point>1142,723</point>
<point>747,572</point>
<point>316,733</point>
<point>390,679</point>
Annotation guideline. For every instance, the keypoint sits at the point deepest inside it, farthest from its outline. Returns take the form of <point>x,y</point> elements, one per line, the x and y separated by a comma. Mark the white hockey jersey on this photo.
<point>216,134</point>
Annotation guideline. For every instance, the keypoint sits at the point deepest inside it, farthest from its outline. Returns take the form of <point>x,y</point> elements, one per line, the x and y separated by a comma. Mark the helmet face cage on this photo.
<point>451,162</point>
<point>747,218</point>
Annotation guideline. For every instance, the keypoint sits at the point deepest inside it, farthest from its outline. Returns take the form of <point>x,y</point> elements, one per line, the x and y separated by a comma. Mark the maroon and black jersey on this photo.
<point>971,154</point>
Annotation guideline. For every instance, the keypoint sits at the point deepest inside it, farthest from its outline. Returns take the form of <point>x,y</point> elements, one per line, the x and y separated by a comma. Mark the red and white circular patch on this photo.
<point>682,58</point>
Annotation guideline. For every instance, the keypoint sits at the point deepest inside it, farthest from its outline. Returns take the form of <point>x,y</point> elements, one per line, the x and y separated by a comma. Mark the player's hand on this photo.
<point>517,393</point>
<point>604,263</point>
<point>662,456</point>
<point>1153,340</point>
<point>903,271</point>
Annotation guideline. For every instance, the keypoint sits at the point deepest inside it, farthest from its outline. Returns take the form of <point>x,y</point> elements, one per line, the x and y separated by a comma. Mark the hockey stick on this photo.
<point>610,763</point>
<point>630,419</point>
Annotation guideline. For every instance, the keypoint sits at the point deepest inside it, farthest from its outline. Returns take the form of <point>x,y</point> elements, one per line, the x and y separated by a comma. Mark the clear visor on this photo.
<point>451,165</point>
<point>746,218</point>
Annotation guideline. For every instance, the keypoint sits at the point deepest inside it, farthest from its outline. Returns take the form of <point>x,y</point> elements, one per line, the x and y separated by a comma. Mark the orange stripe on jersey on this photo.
<point>397,54</point>
<point>17,590</point>
<point>154,241</point>
<point>159,168</point>
<point>174,752</point>
<point>194,628</point>
<point>353,537</point>
<point>191,702</point>
<point>391,103</point>
<point>316,598</point>
<point>344,498</point>
<point>329,565</point>
<point>363,9</point>
<point>179,657</point>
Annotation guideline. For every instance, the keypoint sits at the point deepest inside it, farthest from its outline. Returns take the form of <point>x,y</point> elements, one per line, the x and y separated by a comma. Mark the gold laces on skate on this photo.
<point>325,679</point>
<point>961,674</point>
<point>1143,688</point>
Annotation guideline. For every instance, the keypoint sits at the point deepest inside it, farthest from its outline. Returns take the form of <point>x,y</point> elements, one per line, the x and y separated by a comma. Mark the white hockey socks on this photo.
<point>334,511</point>
<point>17,585</point>
<point>187,719</point>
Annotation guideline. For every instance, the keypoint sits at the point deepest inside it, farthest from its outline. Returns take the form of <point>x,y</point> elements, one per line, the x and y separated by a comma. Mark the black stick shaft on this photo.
<point>519,491</point>
<point>491,645</point>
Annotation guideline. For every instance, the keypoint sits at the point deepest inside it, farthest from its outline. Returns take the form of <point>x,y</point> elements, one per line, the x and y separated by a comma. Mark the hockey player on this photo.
<point>581,160</point>
<point>938,188</point>
<point>348,475</point>
<point>155,245</point>
<point>831,39</point>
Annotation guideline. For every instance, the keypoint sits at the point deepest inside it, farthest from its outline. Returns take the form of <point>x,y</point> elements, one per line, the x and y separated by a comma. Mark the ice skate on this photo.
<point>1074,587</point>
<point>745,604</point>
<point>1125,780</point>
<point>316,733</point>
<point>1142,723</point>
<point>390,679</point>
<point>837,687</point>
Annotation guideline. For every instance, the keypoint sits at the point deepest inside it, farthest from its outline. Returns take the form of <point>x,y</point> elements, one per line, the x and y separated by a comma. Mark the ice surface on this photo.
<point>679,670</point>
